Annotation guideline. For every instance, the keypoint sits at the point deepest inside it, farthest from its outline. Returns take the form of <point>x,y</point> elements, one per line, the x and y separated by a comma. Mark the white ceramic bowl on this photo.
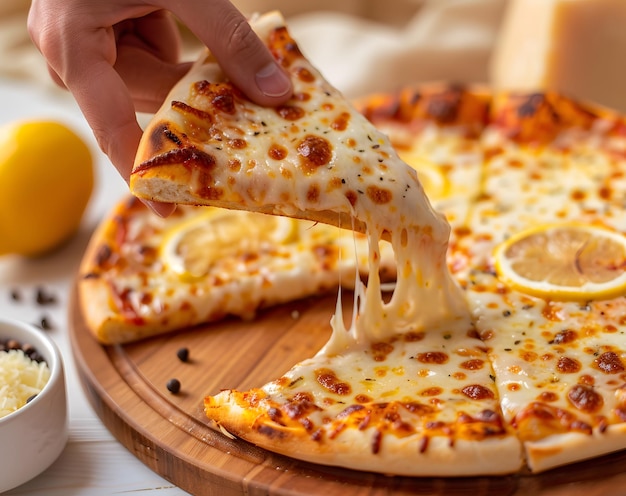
<point>33,437</point>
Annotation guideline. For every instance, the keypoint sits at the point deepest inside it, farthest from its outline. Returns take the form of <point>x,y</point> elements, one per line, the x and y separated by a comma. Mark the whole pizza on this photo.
<point>483,236</point>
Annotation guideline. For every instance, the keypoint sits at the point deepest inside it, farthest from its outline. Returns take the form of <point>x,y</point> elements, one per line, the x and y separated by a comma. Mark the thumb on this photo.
<point>241,54</point>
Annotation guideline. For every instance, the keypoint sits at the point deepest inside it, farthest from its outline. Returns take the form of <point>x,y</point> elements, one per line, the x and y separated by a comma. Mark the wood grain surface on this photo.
<point>169,433</point>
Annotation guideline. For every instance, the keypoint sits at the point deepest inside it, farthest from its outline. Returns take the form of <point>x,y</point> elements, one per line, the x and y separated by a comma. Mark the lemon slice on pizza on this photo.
<point>190,248</point>
<point>431,175</point>
<point>565,262</point>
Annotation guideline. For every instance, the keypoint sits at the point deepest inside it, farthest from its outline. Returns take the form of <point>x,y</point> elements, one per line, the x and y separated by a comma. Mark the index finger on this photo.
<point>109,110</point>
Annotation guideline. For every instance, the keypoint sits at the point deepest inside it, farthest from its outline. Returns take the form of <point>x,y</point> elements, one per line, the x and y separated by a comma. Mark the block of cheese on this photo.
<point>576,47</point>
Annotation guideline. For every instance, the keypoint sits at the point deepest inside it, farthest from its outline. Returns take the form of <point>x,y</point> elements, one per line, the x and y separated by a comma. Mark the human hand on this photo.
<point>117,57</point>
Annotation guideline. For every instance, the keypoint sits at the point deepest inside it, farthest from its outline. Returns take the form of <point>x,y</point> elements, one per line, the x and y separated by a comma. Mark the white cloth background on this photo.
<point>361,46</point>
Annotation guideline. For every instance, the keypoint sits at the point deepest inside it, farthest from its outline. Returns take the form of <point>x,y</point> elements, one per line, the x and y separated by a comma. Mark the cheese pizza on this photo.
<point>501,345</point>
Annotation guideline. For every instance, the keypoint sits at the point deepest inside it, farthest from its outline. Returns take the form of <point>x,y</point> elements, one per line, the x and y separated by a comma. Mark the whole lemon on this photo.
<point>46,180</point>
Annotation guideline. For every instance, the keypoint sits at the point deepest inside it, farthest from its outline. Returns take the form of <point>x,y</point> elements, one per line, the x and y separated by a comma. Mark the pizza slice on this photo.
<point>314,157</point>
<point>143,275</point>
<point>420,403</point>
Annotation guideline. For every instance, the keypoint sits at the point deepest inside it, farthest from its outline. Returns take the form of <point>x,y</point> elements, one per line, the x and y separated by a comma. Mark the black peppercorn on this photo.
<point>183,354</point>
<point>173,386</point>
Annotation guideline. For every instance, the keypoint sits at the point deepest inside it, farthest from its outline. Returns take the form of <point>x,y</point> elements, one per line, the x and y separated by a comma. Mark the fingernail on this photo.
<point>272,81</point>
<point>161,209</point>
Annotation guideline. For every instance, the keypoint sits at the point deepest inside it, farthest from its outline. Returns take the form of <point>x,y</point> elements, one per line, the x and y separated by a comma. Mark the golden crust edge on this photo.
<point>564,449</point>
<point>352,449</point>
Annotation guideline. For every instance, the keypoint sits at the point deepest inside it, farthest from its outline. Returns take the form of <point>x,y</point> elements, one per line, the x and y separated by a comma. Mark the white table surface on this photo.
<point>93,462</point>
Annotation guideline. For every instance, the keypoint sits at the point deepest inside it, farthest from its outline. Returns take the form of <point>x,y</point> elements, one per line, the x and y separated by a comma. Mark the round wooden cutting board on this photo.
<point>170,434</point>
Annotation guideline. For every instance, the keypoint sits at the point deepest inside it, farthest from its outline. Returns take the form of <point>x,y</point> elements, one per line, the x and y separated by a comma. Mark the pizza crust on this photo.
<point>352,448</point>
<point>563,449</point>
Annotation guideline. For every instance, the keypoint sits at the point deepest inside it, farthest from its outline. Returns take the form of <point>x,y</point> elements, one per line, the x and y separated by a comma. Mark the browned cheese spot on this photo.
<point>237,143</point>
<point>413,336</point>
<point>341,122</point>
<point>328,380</point>
<point>477,392</point>
<point>277,152</point>
<point>605,192</point>
<point>564,336</point>
<point>105,258</point>
<point>436,357</point>
<point>585,398</point>
<point>300,405</point>
<point>162,138</point>
<point>567,365</point>
<point>548,396</point>
<point>352,197</point>
<point>191,158</point>
<point>303,74</point>
<point>269,432</point>
<point>290,112</point>
<point>445,107</point>
<point>380,351</point>
<point>234,165</point>
<point>417,408</point>
<point>528,356</point>
<point>190,111</point>
<point>404,237</point>
<point>283,47</point>
<point>379,196</point>
<point>586,379</point>
<point>220,95</point>
<point>314,152</point>
<point>552,311</point>
<point>539,420</point>
<point>609,363</point>
<point>313,193</point>
<point>431,391</point>
<point>474,364</point>
<point>334,184</point>
<point>198,123</point>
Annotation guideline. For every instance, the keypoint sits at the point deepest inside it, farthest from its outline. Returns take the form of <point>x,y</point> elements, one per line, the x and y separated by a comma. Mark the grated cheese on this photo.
<point>20,378</point>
